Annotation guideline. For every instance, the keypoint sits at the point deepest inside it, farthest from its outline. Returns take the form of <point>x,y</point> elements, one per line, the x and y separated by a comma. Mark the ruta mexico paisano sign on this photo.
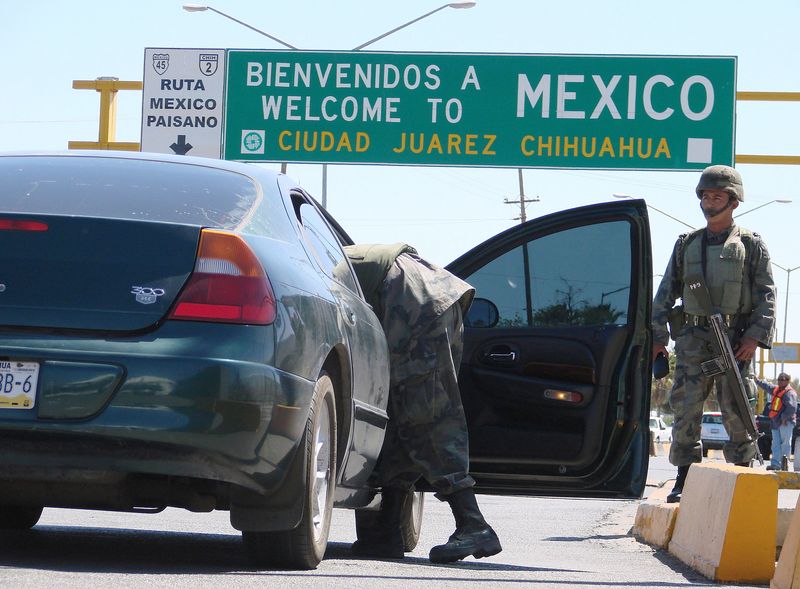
<point>494,110</point>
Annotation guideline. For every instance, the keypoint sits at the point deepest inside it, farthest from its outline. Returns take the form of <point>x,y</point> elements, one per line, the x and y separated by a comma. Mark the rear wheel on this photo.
<point>412,521</point>
<point>304,546</point>
<point>19,517</point>
<point>367,522</point>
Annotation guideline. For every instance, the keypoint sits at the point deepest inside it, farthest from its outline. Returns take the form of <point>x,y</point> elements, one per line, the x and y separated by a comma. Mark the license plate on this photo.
<point>714,430</point>
<point>18,382</point>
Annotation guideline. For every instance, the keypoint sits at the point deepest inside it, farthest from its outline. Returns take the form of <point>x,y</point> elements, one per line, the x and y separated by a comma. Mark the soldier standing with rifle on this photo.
<point>722,274</point>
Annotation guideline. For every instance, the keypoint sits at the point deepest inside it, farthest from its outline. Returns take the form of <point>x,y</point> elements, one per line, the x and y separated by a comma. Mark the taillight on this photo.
<point>22,225</point>
<point>228,284</point>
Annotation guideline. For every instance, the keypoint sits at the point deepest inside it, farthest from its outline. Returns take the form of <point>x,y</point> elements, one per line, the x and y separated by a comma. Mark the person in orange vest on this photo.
<point>782,418</point>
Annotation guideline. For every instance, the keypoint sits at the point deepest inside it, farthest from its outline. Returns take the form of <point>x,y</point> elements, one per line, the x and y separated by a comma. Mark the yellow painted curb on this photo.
<point>726,526</point>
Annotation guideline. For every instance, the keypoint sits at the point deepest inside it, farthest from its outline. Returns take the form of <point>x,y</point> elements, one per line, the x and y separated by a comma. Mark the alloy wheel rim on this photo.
<point>322,470</point>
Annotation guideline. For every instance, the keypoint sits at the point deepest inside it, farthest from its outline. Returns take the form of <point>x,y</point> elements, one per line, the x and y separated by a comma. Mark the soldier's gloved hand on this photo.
<point>746,349</point>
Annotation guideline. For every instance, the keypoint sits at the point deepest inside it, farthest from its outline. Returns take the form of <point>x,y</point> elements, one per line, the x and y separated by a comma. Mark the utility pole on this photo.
<point>522,200</point>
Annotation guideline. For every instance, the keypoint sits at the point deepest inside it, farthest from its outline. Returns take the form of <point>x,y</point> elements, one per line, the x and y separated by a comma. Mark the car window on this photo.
<point>580,276</point>
<point>127,189</point>
<point>325,246</point>
<point>716,419</point>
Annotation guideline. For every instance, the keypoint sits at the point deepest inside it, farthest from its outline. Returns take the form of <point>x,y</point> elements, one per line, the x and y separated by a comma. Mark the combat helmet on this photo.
<point>721,178</point>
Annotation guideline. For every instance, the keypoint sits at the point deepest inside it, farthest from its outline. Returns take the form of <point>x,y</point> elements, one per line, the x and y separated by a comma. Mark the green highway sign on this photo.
<point>494,110</point>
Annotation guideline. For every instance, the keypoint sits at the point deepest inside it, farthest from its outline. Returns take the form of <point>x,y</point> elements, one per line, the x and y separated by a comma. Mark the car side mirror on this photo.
<point>482,313</point>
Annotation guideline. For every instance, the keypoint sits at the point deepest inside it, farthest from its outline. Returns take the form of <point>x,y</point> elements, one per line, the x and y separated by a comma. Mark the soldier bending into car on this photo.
<point>420,307</point>
<point>735,263</point>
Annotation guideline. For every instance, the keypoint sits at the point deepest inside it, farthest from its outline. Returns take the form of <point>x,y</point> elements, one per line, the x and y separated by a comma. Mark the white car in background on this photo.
<point>659,430</point>
<point>713,434</point>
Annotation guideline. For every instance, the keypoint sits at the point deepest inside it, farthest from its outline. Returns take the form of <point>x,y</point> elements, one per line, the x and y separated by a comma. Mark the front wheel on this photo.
<point>304,546</point>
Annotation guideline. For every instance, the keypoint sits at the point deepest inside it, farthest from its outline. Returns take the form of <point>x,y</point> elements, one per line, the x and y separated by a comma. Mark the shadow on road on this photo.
<point>122,550</point>
<point>83,549</point>
<point>342,551</point>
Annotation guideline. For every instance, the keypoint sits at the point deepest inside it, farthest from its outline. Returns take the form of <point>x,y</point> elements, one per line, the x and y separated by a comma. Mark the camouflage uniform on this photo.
<point>420,307</point>
<point>750,303</point>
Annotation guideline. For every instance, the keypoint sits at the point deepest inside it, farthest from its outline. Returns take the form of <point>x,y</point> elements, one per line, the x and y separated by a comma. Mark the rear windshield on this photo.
<point>126,189</point>
<point>712,419</point>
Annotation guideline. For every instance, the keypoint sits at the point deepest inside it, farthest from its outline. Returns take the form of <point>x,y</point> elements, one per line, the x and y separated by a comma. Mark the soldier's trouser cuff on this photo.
<point>467,482</point>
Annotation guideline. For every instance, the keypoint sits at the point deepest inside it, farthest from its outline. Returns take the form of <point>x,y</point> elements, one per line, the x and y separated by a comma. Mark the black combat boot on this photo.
<point>473,536</point>
<point>385,538</point>
<point>675,495</point>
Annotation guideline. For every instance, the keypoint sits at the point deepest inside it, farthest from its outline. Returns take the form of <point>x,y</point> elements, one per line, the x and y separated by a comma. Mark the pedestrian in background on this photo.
<point>782,419</point>
<point>421,306</point>
<point>736,267</point>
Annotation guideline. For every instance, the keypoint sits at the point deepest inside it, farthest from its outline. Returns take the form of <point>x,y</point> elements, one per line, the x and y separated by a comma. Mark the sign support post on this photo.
<point>106,137</point>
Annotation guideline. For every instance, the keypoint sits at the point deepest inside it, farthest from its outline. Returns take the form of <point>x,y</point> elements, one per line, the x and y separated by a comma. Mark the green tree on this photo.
<point>570,310</point>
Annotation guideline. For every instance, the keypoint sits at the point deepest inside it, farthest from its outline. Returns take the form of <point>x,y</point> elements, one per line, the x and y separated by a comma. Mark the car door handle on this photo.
<point>502,356</point>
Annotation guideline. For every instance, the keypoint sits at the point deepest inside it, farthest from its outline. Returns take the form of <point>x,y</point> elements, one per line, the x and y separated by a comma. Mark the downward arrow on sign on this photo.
<point>181,147</point>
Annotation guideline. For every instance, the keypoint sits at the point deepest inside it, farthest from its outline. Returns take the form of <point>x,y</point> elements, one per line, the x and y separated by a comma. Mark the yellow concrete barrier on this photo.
<point>655,519</point>
<point>726,525</point>
<point>787,574</point>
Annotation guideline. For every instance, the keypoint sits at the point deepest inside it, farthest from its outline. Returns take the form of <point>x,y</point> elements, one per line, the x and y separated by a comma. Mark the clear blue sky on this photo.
<point>47,44</point>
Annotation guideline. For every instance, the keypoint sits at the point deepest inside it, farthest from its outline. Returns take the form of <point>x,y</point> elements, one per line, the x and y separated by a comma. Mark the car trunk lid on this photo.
<point>66,272</point>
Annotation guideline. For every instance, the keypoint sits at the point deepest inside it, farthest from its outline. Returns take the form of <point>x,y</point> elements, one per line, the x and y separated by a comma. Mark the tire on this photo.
<point>19,517</point>
<point>304,547</point>
<point>705,452</point>
<point>412,521</point>
<point>367,522</point>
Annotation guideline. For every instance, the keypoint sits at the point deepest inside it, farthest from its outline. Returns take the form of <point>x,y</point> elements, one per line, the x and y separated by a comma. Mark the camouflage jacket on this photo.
<point>756,322</point>
<point>411,295</point>
<point>415,293</point>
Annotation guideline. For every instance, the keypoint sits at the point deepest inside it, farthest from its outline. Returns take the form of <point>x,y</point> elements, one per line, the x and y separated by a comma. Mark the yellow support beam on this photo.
<point>106,136</point>
<point>108,88</point>
<point>783,160</point>
<point>115,145</point>
<point>786,160</point>
<point>769,96</point>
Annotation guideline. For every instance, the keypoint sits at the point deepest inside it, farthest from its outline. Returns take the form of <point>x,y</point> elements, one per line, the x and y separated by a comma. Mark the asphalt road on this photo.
<point>547,543</point>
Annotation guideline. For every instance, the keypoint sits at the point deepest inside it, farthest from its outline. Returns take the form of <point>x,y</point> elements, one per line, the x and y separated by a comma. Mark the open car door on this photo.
<point>555,376</point>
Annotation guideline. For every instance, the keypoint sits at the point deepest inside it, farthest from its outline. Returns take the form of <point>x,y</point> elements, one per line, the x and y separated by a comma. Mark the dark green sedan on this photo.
<point>182,332</point>
<point>186,332</point>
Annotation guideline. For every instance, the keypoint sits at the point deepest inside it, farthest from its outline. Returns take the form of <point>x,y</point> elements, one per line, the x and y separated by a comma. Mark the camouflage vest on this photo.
<point>371,262</point>
<point>727,271</point>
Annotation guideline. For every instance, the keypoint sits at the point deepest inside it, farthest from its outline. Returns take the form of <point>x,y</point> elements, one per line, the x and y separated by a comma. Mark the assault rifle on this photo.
<point>725,364</point>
